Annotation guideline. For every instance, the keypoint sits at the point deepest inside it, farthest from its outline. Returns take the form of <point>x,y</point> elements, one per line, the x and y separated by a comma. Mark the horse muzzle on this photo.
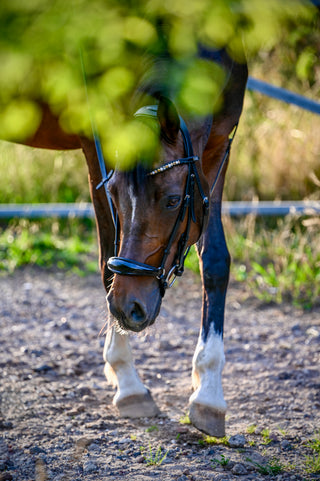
<point>134,305</point>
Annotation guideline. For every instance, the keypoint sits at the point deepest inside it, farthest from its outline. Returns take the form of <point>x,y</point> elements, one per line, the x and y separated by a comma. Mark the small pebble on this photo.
<point>274,437</point>
<point>125,441</point>
<point>37,450</point>
<point>239,469</point>
<point>6,424</point>
<point>93,447</point>
<point>255,457</point>
<point>89,467</point>
<point>285,445</point>
<point>6,477</point>
<point>182,429</point>
<point>237,441</point>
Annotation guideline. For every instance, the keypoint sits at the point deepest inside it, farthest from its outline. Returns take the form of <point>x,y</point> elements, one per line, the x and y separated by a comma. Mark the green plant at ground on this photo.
<point>272,468</point>
<point>154,458</point>
<point>265,433</point>
<point>185,419</point>
<point>68,245</point>
<point>223,461</point>
<point>213,440</point>
<point>282,431</point>
<point>152,429</point>
<point>251,429</point>
<point>312,461</point>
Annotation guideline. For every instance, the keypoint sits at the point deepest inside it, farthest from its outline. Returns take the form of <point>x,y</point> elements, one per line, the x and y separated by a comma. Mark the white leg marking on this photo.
<point>208,362</point>
<point>119,368</point>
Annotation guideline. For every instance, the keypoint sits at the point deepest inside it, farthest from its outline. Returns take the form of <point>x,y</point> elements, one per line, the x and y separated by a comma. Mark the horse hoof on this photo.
<point>137,406</point>
<point>207,420</point>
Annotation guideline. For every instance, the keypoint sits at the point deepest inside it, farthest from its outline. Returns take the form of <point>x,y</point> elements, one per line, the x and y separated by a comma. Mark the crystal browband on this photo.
<point>173,163</point>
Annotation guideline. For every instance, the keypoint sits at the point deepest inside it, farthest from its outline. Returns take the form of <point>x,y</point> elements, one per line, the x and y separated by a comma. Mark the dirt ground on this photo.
<point>57,421</point>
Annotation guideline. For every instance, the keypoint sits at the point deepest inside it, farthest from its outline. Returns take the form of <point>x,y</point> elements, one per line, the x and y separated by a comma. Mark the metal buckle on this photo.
<point>171,277</point>
<point>161,275</point>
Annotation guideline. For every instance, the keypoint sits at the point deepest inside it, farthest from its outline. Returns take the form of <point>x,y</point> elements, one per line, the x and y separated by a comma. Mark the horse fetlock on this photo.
<point>132,398</point>
<point>209,354</point>
<point>110,375</point>
<point>208,360</point>
<point>210,395</point>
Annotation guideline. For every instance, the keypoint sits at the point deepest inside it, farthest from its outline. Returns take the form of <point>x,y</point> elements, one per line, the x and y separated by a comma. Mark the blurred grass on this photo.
<point>279,262</point>
<point>275,153</point>
<point>277,259</point>
<point>39,175</point>
<point>70,245</point>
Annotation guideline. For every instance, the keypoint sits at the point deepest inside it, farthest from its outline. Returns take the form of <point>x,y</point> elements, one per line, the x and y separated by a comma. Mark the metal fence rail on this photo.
<point>284,95</point>
<point>85,210</point>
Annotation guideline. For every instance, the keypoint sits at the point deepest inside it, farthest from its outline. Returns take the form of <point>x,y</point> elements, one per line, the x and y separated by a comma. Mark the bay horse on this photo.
<point>155,214</point>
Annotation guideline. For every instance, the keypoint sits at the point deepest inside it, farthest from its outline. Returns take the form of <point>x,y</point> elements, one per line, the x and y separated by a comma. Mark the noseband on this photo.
<point>129,267</point>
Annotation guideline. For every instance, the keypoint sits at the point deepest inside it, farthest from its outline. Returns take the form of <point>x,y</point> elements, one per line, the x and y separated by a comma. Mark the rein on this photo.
<point>129,267</point>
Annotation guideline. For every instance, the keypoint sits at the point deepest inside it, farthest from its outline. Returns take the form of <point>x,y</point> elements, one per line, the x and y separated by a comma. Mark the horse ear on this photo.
<point>169,119</point>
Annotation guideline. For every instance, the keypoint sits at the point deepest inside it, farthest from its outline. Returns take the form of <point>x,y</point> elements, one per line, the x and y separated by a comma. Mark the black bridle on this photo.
<point>129,267</point>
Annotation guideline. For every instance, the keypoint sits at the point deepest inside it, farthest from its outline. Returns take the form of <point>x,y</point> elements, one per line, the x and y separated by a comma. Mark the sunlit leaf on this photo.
<point>19,120</point>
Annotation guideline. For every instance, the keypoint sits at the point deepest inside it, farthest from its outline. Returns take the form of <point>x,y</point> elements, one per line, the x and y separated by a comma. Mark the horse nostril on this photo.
<point>137,313</point>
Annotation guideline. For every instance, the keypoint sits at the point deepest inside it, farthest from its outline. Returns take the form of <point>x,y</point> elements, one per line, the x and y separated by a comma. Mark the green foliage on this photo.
<point>223,461</point>
<point>213,440</point>
<point>69,245</point>
<point>192,260</point>
<point>154,457</point>
<point>251,429</point>
<point>152,429</point>
<point>265,433</point>
<point>36,175</point>
<point>272,468</point>
<point>185,419</point>
<point>312,462</point>
<point>41,41</point>
<point>289,258</point>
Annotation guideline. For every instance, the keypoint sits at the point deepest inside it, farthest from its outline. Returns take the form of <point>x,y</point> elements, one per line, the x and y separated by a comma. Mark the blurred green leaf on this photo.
<point>41,41</point>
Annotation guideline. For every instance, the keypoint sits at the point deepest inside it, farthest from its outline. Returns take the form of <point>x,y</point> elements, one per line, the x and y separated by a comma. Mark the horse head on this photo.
<point>160,212</point>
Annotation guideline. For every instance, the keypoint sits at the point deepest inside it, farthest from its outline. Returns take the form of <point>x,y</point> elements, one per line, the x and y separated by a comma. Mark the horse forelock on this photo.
<point>137,177</point>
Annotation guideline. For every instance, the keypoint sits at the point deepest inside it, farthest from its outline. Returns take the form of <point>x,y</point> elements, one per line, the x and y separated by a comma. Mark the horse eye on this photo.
<point>173,201</point>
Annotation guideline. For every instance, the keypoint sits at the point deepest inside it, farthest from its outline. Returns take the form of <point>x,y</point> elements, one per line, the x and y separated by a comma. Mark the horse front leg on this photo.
<point>132,398</point>
<point>207,404</point>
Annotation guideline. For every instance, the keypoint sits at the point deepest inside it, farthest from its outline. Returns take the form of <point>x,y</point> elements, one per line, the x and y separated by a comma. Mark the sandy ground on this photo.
<point>57,421</point>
